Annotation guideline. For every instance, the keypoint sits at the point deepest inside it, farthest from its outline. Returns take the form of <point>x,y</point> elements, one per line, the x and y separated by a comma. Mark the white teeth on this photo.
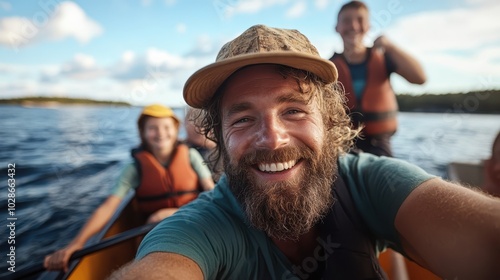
<point>280,166</point>
<point>273,167</point>
<point>276,167</point>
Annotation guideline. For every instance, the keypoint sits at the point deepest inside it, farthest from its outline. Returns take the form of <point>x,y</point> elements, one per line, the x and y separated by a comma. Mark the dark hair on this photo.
<point>352,5</point>
<point>329,96</point>
<point>496,142</point>
<point>141,123</point>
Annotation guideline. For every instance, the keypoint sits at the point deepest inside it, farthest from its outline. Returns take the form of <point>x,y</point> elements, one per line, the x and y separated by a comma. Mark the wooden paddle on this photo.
<point>103,244</point>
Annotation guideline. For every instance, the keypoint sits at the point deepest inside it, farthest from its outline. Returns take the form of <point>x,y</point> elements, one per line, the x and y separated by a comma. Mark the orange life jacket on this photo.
<point>165,187</point>
<point>378,105</point>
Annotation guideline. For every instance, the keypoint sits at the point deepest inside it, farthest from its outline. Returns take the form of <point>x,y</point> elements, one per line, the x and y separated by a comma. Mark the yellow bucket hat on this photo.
<point>159,111</point>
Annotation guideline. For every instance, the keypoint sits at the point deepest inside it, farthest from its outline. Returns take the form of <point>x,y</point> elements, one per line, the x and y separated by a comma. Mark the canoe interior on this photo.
<point>101,264</point>
<point>415,271</point>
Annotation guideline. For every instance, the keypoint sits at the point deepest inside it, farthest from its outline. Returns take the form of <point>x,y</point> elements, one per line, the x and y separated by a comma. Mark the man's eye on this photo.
<point>243,120</point>
<point>292,112</point>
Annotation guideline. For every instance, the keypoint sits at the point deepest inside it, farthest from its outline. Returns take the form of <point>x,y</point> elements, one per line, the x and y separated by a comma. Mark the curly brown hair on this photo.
<point>330,98</point>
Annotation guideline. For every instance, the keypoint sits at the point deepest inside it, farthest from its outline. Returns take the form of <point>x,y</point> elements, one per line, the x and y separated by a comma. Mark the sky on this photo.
<point>142,51</point>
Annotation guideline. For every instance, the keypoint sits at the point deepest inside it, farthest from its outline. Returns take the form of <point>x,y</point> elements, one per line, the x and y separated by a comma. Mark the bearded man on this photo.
<point>294,204</point>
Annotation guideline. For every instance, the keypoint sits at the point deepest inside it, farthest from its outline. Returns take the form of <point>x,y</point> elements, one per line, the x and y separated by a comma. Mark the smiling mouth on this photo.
<point>277,167</point>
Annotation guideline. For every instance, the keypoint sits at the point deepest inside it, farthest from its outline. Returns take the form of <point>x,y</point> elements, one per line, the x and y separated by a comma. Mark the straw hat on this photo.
<point>257,45</point>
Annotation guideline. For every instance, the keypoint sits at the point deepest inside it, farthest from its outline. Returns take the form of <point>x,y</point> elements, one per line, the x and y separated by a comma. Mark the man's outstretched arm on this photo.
<point>451,230</point>
<point>159,266</point>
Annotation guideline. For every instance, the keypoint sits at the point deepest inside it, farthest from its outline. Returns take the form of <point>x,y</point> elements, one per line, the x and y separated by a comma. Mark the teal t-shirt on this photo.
<point>129,177</point>
<point>213,232</point>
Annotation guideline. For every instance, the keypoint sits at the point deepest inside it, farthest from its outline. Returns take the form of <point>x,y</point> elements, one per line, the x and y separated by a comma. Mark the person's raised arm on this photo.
<point>160,266</point>
<point>406,65</point>
<point>59,259</point>
<point>207,183</point>
<point>451,230</point>
<point>202,171</point>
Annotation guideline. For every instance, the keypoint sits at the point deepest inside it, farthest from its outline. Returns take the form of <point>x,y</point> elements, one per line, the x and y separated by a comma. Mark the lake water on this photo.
<point>67,159</point>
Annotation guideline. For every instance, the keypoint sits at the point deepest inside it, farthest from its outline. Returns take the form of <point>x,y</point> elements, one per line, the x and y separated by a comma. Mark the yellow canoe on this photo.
<point>101,264</point>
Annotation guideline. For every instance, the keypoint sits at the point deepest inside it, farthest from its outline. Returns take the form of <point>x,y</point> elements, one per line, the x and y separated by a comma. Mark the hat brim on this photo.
<point>203,84</point>
<point>159,111</point>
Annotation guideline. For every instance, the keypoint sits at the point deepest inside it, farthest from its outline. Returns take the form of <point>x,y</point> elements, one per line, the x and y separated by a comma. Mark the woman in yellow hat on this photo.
<point>166,175</point>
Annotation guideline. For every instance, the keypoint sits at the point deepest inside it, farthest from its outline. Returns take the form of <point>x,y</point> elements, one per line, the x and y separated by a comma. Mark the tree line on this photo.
<point>474,102</point>
<point>59,100</point>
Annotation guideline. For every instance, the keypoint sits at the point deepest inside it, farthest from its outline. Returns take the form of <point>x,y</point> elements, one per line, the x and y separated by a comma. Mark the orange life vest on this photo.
<point>165,187</point>
<point>378,105</point>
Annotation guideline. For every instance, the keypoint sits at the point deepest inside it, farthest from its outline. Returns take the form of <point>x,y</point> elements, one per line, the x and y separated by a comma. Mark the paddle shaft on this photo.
<point>105,243</point>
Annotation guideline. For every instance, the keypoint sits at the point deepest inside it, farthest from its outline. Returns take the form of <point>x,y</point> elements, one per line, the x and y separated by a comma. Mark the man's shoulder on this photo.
<point>368,165</point>
<point>351,160</point>
<point>366,168</point>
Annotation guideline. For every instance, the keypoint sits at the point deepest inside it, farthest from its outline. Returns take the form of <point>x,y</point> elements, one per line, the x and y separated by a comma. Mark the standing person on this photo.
<point>162,167</point>
<point>492,169</point>
<point>364,72</point>
<point>293,204</point>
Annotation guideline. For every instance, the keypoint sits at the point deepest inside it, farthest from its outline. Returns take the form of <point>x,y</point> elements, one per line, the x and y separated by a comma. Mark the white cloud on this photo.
<point>153,63</point>
<point>457,47</point>
<point>204,45</point>
<point>297,10</point>
<point>68,20</point>
<point>81,67</point>
<point>48,77</point>
<point>457,29</point>
<point>12,69</point>
<point>16,32</point>
<point>228,9</point>
<point>137,78</point>
<point>181,28</point>
<point>481,63</point>
<point>128,57</point>
<point>321,4</point>
<point>19,88</point>
<point>481,2</point>
<point>159,75</point>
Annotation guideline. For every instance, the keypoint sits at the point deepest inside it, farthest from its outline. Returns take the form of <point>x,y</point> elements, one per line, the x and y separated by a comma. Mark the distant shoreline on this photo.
<point>51,102</point>
<point>476,102</point>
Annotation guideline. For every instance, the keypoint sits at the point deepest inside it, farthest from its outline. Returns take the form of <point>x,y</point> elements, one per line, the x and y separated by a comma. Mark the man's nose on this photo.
<point>272,133</point>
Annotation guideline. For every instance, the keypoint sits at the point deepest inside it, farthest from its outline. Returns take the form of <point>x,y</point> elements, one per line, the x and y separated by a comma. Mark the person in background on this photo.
<point>197,140</point>
<point>492,169</point>
<point>160,163</point>
<point>364,72</point>
<point>293,203</point>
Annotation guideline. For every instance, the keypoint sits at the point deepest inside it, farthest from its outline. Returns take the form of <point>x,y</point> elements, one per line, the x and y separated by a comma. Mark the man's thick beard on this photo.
<point>285,210</point>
